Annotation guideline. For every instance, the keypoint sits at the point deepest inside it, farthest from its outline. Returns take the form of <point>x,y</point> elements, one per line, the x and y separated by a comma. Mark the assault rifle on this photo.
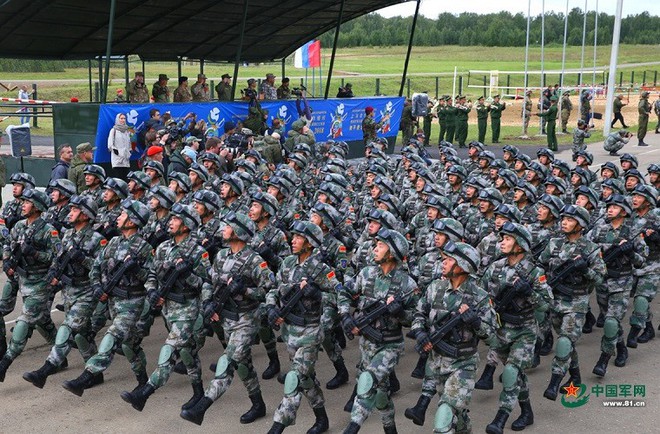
<point>437,337</point>
<point>364,321</point>
<point>118,273</point>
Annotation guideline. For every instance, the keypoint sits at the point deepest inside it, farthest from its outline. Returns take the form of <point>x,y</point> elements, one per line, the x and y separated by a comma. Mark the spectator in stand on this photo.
<point>223,89</point>
<point>84,156</point>
<point>268,91</point>
<point>61,169</point>
<point>200,90</point>
<point>23,94</point>
<point>284,92</point>
<point>346,91</point>
<point>137,90</point>
<point>182,93</point>
<point>119,145</point>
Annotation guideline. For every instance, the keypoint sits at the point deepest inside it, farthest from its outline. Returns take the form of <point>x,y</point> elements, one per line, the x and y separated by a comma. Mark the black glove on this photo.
<point>6,265</point>
<point>98,292</point>
<point>265,252</point>
<point>209,307</point>
<point>77,255</point>
<point>654,238</point>
<point>395,307</point>
<point>580,264</point>
<point>153,297</point>
<point>311,290</point>
<point>27,249</point>
<point>237,286</point>
<point>183,269</point>
<point>470,318</point>
<point>422,341</point>
<point>348,324</point>
<point>522,287</point>
<point>626,247</point>
<point>273,316</point>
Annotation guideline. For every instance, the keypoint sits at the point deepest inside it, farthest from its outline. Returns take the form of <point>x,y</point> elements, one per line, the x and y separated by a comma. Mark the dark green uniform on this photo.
<point>450,119</point>
<point>644,110</point>
<point>550,116</point>
<point>462,123</point>
<point>442,120</point>
<point>496,109</point>
<point>482,120</point>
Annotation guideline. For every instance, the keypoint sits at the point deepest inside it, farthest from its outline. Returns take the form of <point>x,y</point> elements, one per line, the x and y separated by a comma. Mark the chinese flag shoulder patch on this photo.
<point>342,249</point>
<point>54,233</point>
<point>542,278</point>
<point>205,255</point>
<point>2,221</point>
<point>330,275</point>
<point>104,242</point>
<point>296,216</point>
<point>263,265</point>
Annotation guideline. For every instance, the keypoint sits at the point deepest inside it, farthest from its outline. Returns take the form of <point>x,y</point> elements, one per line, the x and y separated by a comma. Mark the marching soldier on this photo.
<point>94,179</point>
<point>61,191</point>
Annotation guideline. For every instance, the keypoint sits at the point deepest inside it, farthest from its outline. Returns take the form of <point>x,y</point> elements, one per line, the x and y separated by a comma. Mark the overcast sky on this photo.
<point>432,8</point>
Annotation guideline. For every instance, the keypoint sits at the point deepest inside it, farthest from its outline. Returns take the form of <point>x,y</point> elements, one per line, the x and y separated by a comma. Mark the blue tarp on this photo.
<point>332,119</point>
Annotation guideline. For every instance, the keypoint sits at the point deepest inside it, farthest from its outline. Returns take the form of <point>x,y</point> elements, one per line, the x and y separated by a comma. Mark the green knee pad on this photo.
<point>243,371</point>
<point>509,376</point>
<point>611,327</point>
<point>224,367</point>
<point>62,337</point>
<point>539,315</point>
<point>82,342</point>
<point>366,385</point>
<point>382,399</point>
<point>128,352</point>
<point>199,324</point>
<point>21,332</point>
<point>186,357</point>
<point>165,356</point>
<point>444,419</point>
<point>641,305</point>
<point>7,290</point>
<point>291,383</point>
<point>563,348</point>
<point>107,343</point>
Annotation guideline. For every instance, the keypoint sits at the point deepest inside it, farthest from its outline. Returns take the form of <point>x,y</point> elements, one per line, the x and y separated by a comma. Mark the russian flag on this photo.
<point>308,56</point>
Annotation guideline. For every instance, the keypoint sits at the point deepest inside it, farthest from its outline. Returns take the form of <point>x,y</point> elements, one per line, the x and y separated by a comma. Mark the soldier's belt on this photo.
<point>302,320</point>
<point>181,297</point>
<point>382,336</point>
<point>514,319</point>
<point>128,292</point>
<point>456,351</point>
<point>615,273</point>
<point>570,292</point>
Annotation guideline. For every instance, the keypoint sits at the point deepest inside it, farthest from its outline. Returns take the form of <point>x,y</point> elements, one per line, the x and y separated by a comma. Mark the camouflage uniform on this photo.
<point>515,339</point>
<point>181,94</point>
<point>160,93</point>
<point>96,194</point>
<point>125,303</point>
<point>10,215</point>
<point>200,92</point>
<point>455,375</point>
<point>378,359</point>
<point>648,276</point>
<point>566,108</point>
<point>302,342</point>
<point>58,217</point>
<point>77,295</point>
<point>137,92</point>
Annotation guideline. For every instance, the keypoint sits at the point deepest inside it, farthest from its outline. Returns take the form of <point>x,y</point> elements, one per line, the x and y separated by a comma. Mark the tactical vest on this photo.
<point>575,284</point>
<point>389,327</point>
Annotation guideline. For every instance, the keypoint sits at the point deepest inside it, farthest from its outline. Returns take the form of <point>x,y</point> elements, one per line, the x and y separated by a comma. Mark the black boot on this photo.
<point>213,367</point>
<point>575,379</point>
<point>589,322</point>
<point>277,428</point>
<point>600,322</point>
<point>322,424</point>
<point>195,414</point>
<point>536,358</point>
<point>86,380</point>
<point>553,388</point>
<point>631,342</point>
<point>352,428</point>
<point>497,425</point>
<point>281,377</point>
<point>647,334</point>
<point>138,398</point>
<point>340,337</point>
<point>420,369</point>
<point>180,368</point>
<point>5,363</point>
<point>348,407</point>
<point>273,367</point>
<point>391,429</point>
<point>198,393</point>
<point>395,385</point>
<point>38,377</point>
<point>340,378</point>
<point>548,341</point>
<point>142,379</point>
<point>526,417</point>
<point>418,413</point>
<point>257,410</point>
<point>486,380</point>
<point>601,366</point>
<point>621,355</point>
<point>3,347</point>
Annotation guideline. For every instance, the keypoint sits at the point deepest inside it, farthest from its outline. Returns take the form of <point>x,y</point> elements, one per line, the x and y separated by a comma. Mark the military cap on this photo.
<point>84,147</point>
<point>226,76</point>
<point>163,77</point>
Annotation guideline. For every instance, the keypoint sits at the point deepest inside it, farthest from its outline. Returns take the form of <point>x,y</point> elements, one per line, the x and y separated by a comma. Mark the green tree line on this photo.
<point>501,29</point>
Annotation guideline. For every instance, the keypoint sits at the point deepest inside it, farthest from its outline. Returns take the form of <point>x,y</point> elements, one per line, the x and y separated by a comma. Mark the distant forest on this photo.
<point>499,29</point>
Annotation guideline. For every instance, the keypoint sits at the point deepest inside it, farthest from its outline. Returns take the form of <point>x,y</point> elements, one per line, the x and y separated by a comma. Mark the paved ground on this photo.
<point>27,409</point>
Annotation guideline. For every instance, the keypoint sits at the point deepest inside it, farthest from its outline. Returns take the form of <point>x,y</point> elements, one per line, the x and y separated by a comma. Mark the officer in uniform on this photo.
<point>442,117</point>
<point>386,282</point>
<point>550,117</point>
<point>80,245</point>
<point>462,110</point>
<point>28,253</point>
<point>518,288</point>
<point>527,111</point>
<point>160,92</point>
<point>575,267</point>
<point>623,249</point>
<point>644,110</point>
<point>200,90</point>
<point>305,277</point>
<point>182,92</point>
<point>566,108</point>
<point>450,120</point>
<point>482,118</point>
<point>244,276</point>
<point>118,275</point>
<point>453,362</point>
<point>496,109</point>
<point>137,90</point>
<point>181,262</point>
<point>224,88</point>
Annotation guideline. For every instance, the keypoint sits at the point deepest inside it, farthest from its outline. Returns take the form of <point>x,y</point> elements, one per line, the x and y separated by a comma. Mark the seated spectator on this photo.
<point>346,91</point>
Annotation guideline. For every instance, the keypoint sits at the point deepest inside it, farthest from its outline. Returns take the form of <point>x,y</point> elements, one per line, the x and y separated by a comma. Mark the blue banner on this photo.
<point>332,119</point>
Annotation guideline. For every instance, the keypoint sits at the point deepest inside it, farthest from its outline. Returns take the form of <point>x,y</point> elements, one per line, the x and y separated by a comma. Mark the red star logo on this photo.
<point>572,390</point>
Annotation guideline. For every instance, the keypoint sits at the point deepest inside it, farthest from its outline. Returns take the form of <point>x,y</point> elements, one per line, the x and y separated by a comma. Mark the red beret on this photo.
<point>368,110</point>
<point>153,150</point>
<point>74,99</point>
